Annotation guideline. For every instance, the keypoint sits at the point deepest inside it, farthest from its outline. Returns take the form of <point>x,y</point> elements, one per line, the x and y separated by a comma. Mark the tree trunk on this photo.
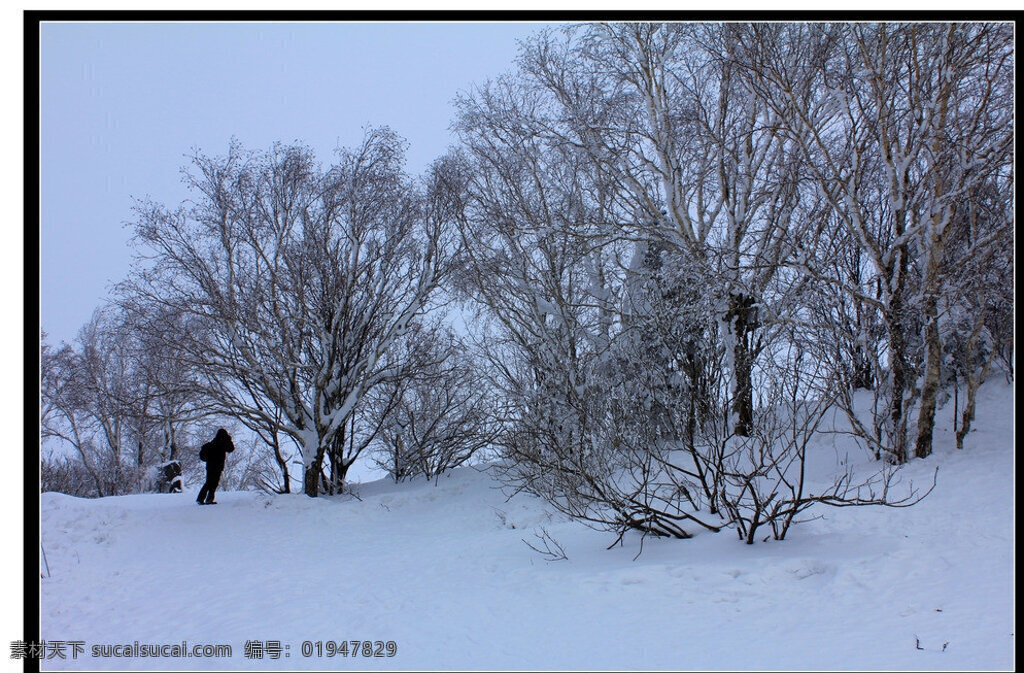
<point>930,388</point>
<point>973,383</point>
<point>897,436</point>
<point>932,286</point>
<point>894,324</point>
<point>862,377</point>
<point>744,402</point>
<point>282,464</point>
<point>311,477</point>
<point>398,466</point>
<point>336,483</point>
<point>973,380</point>
<point>742,315</point>
<point>338,473</point>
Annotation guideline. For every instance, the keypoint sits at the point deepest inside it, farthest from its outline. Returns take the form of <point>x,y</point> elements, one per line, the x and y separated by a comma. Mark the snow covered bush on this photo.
<point>65,474</point>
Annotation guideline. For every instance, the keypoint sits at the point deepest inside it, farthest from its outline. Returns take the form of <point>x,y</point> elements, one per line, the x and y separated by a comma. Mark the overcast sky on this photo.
<point>123,104</point>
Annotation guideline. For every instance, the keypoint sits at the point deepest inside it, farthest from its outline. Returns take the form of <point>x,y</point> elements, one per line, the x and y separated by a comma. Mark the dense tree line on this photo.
<point>681,245</point>
<point>693,240</point>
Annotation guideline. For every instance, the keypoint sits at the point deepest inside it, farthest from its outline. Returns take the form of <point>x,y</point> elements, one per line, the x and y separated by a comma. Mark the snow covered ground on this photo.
<point>442,571</point>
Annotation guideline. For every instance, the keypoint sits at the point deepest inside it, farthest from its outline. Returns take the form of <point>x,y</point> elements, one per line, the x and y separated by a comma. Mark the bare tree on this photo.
<point>294,282</point>
<point>442,413</point>
<point>690,156</point>
<point>119,402</point>
<point>63,414</point>
<point>898,124</point>
<point>977,305</point>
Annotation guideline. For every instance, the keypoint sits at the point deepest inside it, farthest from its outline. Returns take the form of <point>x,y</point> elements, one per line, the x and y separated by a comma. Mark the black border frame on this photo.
<point>32,23</point>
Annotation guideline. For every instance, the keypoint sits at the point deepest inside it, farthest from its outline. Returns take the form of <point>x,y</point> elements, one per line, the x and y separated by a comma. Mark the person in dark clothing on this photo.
<point>213,454</point>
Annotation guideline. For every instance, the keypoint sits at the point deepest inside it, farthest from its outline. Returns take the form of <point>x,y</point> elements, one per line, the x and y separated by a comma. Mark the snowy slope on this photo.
<point>442,571</point>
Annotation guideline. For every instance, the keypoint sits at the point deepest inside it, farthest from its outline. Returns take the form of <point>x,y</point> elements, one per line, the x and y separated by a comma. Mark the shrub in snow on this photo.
<point>166,477</point>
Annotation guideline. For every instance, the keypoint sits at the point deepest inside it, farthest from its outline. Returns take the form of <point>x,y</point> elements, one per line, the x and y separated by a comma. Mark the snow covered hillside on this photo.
<point>442,571</point>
